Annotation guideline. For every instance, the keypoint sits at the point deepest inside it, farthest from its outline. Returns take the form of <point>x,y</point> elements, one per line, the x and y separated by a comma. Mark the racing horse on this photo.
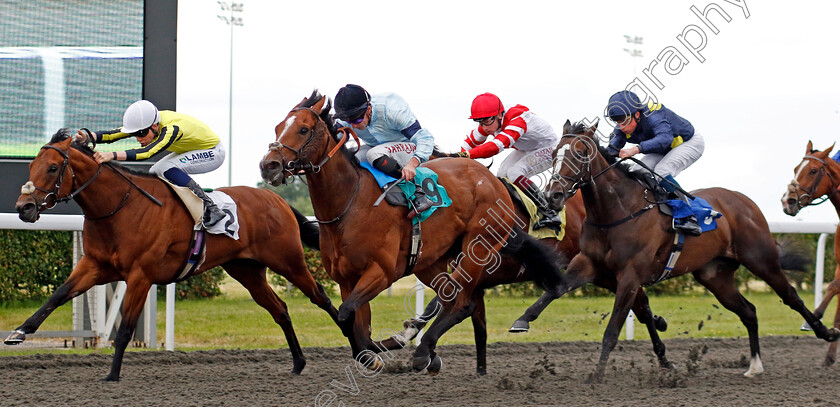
<point>365,248</point>
<point>128,237</point>
<point>624,237</point>
<point>509,272</point>
<point>815,177</point>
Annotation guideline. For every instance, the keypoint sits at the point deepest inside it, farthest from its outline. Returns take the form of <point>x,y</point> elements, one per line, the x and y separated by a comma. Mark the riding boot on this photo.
<point>421,201</point>
<point>688,225</point>
<point>548,217</point>
<point>212,213</point>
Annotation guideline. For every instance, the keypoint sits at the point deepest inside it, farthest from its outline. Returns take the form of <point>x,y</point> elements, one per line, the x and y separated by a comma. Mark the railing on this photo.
<point>103,320</point>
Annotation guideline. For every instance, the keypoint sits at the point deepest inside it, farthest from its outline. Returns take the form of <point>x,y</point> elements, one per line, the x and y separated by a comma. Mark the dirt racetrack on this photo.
<point>708,373</point>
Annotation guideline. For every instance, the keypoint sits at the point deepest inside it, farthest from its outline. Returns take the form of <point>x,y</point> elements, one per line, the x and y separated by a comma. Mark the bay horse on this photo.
<point>633,243</point>
<point>365,248</point>
<point>127,237</point>
<point>815,177</point>
<point>510,272</point>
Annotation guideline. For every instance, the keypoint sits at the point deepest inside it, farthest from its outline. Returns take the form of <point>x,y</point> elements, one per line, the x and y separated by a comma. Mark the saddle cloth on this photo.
<point>229,226</point>
<point>423,176</point>
<point>701,210</point>
<point>534,216</point>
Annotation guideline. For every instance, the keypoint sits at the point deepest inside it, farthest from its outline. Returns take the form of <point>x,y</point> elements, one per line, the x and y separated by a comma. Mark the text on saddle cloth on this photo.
<point>228,226</point>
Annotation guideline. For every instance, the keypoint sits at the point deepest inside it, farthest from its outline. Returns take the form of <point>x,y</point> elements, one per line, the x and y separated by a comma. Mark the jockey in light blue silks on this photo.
<point>669,143</point>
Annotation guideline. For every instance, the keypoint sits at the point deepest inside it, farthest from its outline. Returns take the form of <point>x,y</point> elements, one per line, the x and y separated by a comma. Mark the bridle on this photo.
<point>296,167</point>
<point>586,164</point>
<point>65,165</point>
<point>813,190</point>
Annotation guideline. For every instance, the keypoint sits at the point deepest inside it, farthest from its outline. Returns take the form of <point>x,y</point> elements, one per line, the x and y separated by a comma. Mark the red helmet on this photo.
<point>486,105</point>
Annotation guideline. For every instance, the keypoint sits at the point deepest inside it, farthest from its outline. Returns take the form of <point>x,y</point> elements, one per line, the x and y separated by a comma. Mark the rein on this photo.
<point>75,191</point>
<point>577,184</point>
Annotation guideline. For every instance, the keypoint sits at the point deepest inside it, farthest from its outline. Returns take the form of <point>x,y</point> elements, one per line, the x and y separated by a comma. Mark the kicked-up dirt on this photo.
<point>709,372</point>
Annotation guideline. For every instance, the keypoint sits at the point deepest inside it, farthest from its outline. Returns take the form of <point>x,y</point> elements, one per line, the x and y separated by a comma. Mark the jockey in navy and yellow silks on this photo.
<point>193,148</point>
<point>669,143</point>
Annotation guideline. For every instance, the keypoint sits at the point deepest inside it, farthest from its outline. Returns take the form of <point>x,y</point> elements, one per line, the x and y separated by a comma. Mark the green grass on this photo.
<point>235,321</point>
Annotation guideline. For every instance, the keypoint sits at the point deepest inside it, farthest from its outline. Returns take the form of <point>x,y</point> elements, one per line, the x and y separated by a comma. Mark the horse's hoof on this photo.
<point>434,366</point>
<point>110,379</point>
<point>833,335</point>
<point>667,365</point>
<point>829,361</point>
<point>481,371</point>
<point>15,338</point>
<point>520,326</point>
<point>420,363</point>
<point>298,367</point>
<point>660,323</point>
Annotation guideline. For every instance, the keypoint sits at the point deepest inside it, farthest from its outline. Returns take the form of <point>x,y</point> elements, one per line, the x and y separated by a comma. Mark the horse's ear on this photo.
<point>828,150</point>
<point>301,103</point>
<point>595,125</point>
<point>320,104</point>
<point>567,127</point>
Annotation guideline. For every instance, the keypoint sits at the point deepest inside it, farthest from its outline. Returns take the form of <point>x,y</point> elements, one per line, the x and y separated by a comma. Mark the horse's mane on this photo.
<point>329,120</point>
<point>65,133</point>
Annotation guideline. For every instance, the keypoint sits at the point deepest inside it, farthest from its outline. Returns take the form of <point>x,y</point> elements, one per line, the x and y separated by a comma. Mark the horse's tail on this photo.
<point>794,255</point>
<point>310,235</point>
<point>545,264</point>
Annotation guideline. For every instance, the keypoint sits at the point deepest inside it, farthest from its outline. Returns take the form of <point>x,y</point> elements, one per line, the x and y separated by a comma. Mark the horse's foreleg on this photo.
<point>641,308</point>
<point>453,312</point>
<point>831,355</point>
<point>84,276</point>
<point>579,272</point>
<point>479,321</point>
<point>832,290</point>
<point>135,297</point>
<point>253,279</point>
<point>625,296</point>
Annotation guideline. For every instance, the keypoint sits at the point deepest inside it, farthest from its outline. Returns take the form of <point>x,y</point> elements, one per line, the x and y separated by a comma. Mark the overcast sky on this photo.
<point>767,82</point>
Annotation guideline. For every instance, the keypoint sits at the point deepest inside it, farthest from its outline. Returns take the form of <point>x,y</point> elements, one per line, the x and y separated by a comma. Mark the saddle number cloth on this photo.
<point>701,210</point>
<point>229,226</point>
<point>424,177</point>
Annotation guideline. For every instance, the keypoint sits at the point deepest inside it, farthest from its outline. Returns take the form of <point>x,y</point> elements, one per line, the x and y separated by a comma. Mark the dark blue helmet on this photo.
<point>623,104</point>
<point>351,101</point>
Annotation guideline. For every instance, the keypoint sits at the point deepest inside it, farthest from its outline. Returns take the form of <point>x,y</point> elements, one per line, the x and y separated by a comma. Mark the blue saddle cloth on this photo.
<point>701,210</point>
<point>425,177</point>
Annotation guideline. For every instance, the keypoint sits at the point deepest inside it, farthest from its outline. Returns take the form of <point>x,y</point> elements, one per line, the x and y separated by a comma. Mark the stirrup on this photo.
<point>212,216</point>
<point>421,203</point>
<point>553,222</point>
<point>688,226</point>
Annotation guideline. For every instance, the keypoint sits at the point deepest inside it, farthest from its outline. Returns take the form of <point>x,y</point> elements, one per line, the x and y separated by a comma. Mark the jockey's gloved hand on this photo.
<point>86,136</point>
<point>464,154</point>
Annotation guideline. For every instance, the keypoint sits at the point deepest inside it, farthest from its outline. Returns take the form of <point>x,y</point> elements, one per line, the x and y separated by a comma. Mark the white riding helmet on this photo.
<point>142,114</point>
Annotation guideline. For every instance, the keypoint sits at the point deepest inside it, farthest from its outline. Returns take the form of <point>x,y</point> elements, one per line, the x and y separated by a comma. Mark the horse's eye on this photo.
<point>53,168</point>
<point>813,171</point>
<point>304,130</point>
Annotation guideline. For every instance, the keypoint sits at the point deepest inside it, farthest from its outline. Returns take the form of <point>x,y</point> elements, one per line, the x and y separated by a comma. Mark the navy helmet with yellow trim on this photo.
<point>623,104</point>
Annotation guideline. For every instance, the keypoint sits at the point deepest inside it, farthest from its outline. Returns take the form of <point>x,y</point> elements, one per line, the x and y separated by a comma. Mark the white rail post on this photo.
<point>419,306</point>
<point>170,317</point>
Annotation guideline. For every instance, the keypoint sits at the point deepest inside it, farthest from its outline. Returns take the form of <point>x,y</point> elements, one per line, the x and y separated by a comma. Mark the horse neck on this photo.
<point>612,195</point>
<point>833,169</point>
<point>105,193</point>
<point>334,186</point>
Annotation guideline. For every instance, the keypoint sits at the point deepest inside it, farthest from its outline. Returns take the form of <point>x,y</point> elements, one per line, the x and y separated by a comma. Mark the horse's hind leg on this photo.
<point>719,278</point>
<point>135,297</point>
<point>479,320</point>
<point>252,276</point>
<point>832,290</point>
<point>85,275</point>
<point>580,272</point>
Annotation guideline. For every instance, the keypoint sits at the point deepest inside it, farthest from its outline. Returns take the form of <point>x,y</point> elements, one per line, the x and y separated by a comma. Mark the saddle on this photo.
<point>527,206</point>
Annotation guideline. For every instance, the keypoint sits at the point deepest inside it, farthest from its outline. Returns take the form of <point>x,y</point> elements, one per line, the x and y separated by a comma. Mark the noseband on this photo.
<point>296,167</point>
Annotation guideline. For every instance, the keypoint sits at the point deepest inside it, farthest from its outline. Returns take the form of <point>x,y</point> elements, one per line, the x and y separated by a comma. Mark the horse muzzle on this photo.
<point>556,200</point>
<point>27,209</point>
